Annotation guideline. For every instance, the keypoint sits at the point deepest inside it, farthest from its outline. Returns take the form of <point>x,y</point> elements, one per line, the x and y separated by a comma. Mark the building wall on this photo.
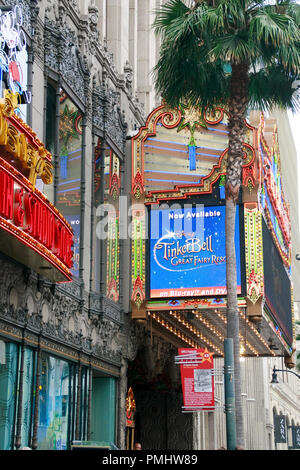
<point>74,321</point>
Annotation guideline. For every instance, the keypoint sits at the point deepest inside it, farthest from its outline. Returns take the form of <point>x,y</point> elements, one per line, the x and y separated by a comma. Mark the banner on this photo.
<point>296,437</point>
<point>196,368</point>
<point>280,429</point>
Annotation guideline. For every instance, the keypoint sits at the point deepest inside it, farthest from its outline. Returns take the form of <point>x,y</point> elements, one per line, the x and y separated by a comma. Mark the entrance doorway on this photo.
<point>160,423</point>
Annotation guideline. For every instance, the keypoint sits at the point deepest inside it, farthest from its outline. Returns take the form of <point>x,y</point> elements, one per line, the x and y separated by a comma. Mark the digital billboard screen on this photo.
<point>277,286</point>
<point>187,251</point>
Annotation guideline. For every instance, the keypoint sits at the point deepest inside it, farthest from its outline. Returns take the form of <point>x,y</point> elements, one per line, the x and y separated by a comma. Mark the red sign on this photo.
<point>196,367</point>
<point>33,230</point>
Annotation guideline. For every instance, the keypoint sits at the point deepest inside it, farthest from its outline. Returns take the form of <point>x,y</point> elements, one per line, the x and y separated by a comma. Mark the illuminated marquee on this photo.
<point>28,217</point>
<point>33,230</point>
<point>19,143</point>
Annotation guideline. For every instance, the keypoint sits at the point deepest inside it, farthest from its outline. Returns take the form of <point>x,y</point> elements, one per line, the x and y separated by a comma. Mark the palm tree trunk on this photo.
<point>237,110</point>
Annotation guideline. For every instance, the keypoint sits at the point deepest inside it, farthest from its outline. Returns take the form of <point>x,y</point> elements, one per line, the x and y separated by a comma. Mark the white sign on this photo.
<point>202,381</point>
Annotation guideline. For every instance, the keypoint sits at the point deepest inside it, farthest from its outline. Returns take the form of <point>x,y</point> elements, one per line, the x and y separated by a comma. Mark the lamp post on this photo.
<point>274,374</point>
<point>229,394</point>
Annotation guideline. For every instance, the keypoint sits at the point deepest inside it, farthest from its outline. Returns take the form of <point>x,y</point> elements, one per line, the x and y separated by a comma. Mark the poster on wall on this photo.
<point>74,221</point>
<point>196,366</point>
<point>187,252</point>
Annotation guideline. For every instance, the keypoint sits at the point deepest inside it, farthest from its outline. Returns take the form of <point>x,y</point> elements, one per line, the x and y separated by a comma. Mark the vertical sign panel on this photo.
<point>197,378</point>
<point>280,429</point>
<point>296,437</point>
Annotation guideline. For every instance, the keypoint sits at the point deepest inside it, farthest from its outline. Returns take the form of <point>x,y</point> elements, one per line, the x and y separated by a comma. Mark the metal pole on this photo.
<point>229,394</point>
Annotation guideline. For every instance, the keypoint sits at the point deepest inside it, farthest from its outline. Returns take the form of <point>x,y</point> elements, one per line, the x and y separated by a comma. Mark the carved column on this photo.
<point>34,443</point>
<point>77,425</point>
<point>20,395</point>
<point>89,402</point>
<point>122,405</point>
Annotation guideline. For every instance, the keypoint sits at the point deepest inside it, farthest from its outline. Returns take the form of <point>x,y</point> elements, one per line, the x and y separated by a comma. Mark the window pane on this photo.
<point>8,375</point>
<point>53,404</point>
<point>27,397</point>
<point>107,220</point>
<point>48,189</point>
<point>84,403</point>
<point>69,169</point>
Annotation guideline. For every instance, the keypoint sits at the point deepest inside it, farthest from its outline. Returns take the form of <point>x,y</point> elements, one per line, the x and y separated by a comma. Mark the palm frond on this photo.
<point>167,14</point>
<point>289,57</point>
<point>233,13</point>
<point>235,48</point>
<point>194,77</point>
<point>273,87</point>
<point>273,28</point>
<point>197,44</point>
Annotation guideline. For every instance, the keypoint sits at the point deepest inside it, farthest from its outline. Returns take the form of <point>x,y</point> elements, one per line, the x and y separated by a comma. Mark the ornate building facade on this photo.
<point>62,342</point>
<point>70,351</point>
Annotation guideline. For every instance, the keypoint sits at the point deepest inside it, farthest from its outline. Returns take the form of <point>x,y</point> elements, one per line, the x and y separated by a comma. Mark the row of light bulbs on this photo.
<point>196,332</point>
<point>179,317</point>
<point>173,330</point>
<point>254,330</point>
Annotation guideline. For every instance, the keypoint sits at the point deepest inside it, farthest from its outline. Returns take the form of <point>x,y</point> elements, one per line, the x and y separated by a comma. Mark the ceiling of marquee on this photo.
<point>208,329</point>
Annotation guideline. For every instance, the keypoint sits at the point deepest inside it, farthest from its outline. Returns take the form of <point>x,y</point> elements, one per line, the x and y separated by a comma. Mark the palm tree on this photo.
<point>242,54</point>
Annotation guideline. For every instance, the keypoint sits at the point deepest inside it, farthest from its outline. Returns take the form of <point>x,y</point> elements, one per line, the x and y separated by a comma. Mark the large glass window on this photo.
<point>53,404</point>
<point>103,409</point>
<point>27,402</point>
<point>57,399</point>
<point>69,169</point>
<point>84,403</point>
<point>107,183</point>
<point>48,189</point>
<point>8,383</point>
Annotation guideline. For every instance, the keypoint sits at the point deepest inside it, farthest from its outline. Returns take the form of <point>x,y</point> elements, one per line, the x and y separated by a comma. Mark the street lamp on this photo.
<point>274,375</point>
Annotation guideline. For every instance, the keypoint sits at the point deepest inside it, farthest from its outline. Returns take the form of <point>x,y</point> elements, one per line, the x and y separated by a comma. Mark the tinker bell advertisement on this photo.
<point>187,251</point>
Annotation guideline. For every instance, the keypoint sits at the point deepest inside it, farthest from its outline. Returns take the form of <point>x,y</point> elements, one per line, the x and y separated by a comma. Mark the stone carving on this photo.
<point>128,73</point>
<point>52,10</point>
<point>98,109</point>
<point>28,8</point>
<point>107,115</point>
<point>114,122</point>
<point>56,313</point>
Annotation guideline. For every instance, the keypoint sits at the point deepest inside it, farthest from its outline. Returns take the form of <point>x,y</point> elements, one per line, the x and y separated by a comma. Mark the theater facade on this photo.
<point>178,260</point>
<point>178,249</point>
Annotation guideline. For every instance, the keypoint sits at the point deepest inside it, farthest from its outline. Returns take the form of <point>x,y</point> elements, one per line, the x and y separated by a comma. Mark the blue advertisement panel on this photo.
<point>74,221</point>
<point>187,252</point>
